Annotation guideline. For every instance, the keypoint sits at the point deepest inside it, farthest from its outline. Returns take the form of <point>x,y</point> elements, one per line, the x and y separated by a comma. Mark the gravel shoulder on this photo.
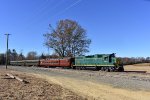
<point>94,84</point>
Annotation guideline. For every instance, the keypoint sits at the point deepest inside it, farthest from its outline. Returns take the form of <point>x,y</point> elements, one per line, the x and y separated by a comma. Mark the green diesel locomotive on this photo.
<point>104,62</point>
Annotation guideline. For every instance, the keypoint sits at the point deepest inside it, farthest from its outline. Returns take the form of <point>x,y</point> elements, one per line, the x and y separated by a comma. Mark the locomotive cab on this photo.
<point>111,58</point>
<point>117,63</point>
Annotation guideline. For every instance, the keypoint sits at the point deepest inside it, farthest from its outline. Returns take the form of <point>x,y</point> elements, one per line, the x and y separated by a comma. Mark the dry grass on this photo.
<point>36,89</point>
<point>138,67</point>
<point>142,64</point>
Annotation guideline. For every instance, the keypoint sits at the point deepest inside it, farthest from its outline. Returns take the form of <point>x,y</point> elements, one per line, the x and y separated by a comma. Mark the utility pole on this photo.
<point>7,35</point>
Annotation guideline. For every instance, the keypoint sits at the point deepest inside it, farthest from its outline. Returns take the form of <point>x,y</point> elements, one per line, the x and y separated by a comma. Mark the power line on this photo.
<point>42,11</point>
<point>69,7</point>
<point>57,5</point>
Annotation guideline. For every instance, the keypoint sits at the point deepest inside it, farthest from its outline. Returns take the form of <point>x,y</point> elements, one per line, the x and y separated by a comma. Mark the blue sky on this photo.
<point>114,26</point>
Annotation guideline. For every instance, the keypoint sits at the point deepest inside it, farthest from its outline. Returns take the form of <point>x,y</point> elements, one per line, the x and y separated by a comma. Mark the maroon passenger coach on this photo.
<point>59,62</point>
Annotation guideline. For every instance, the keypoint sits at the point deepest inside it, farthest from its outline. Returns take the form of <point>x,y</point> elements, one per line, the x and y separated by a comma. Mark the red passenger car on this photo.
<point>59,62</point>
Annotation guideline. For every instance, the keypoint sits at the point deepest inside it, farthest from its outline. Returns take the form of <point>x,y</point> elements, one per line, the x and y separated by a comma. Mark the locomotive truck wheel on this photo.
<point>83,68</point>
<point>97,68</point>
<point>102,69</point>
<point>107,69</point>
<point>120,69</point>
<point>111,69</point>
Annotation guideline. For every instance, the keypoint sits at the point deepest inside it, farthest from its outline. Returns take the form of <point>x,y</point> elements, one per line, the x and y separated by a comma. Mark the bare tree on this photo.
<point>42,56</point>
<point>32,55</point>
<point>67,39</point>
<point>21,56</point>
<point>14,54</point>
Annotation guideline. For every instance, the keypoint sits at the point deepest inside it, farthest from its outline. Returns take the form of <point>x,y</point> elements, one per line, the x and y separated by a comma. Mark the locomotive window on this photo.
<point>105,58</point>
<point>99,56</point>
<point>110,59</point>
<point>90,56</point>
<point>79,57</point>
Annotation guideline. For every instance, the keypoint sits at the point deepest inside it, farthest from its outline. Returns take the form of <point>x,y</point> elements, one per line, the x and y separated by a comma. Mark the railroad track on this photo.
<point>135,75</point>
<point>90,70</point>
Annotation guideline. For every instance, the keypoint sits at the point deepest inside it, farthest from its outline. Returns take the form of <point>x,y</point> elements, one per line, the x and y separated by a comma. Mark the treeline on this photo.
<point>134,60</point>
<point>14,56</point>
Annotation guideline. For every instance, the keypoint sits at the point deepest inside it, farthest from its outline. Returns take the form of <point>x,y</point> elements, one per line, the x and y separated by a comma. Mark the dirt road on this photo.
<point>96,85</point>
